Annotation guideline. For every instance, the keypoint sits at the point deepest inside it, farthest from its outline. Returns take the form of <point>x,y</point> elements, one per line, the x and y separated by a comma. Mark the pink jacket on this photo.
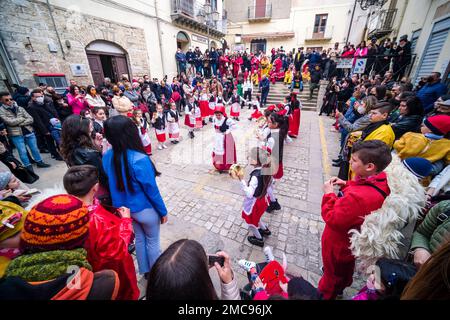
<point>76,104</point>
<point>361,52</point>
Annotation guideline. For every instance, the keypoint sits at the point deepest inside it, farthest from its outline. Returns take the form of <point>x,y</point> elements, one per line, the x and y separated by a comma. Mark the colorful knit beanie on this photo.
<point>60,222</point>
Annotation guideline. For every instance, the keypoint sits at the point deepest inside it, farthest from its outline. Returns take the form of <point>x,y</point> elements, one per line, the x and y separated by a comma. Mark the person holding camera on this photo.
<point>76,99</point>
<point>182,273</point>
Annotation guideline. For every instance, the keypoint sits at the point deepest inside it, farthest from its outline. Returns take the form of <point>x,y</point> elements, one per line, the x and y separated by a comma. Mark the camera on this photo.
<point>213,258</point>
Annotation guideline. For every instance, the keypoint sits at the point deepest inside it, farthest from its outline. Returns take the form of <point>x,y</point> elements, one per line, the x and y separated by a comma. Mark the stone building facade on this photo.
<point>30,39</point>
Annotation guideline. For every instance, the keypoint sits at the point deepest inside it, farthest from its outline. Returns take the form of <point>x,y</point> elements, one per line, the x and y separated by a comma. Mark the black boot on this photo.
<point>257,242</point>
<point>339,159</point>
<point>265,232</point>
<point>273,206</point>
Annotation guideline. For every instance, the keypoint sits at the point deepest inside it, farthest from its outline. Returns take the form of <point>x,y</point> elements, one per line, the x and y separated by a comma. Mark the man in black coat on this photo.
<point>42,113</point>
<point>299,58</point>
<point>403,57</point>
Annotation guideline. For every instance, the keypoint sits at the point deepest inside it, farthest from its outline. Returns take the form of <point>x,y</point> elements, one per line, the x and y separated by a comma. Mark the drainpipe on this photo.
<point>56,30</point>
<point>159,38</point>
<point>351,22</point>
<point>8,64</point>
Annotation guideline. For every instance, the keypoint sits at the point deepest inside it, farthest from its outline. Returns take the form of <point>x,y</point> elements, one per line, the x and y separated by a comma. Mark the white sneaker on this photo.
<point>268,254</point>
<point>159,147</point>
<point>164,146</point>
<point>246,265</point>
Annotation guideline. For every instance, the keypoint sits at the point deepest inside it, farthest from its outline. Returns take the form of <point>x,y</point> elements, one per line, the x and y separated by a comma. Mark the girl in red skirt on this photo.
<point>224,149</point>
<point>143,127</point>
<point>204,105</point>
<point>189,118</point>
<point>159,122</point>
<point>294,116</point>
<point>256,201</point>
<point>278,125</point>
<point>235,101</point>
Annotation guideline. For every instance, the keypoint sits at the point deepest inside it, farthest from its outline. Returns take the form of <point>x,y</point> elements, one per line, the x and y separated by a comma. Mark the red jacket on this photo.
<point>107,247</point>
<point>341,214</point>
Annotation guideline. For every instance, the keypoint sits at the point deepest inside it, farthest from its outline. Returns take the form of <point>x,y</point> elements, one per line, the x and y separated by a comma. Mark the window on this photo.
<point>320,23</point>
<point>57,81</point>
<point>258,45</point>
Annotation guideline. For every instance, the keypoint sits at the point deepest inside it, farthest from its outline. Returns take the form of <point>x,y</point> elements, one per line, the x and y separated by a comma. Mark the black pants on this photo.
<point>248,94</point>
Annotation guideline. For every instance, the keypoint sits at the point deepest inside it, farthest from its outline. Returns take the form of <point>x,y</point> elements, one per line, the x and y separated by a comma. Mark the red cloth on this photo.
<point>204,108</point>
<point>187,121</point>
<point>294,123</point>
<point>224,162</point>
<point>277,64</point>
<point>259,207</point>
<point>176,96</point>
<point>279,173</point>
<point>107,248</point>
<point>340,215</point>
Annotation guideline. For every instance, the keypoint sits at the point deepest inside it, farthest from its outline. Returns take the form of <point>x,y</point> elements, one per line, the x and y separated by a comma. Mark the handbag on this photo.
<point>23,174</point>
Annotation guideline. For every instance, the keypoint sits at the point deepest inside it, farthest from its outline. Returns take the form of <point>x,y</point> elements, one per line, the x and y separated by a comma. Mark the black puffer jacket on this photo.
<point>93,157</point>
<point>405,124</point>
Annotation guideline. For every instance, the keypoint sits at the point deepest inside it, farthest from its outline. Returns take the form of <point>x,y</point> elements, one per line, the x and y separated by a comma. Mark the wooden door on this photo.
<point>120,66</point>
<point>260,9</point>
<point>96,68</point>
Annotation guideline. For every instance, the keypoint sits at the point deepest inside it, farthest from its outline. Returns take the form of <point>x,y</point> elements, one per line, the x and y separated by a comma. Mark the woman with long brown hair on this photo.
<point>78,148</point>
<point>432,282</point>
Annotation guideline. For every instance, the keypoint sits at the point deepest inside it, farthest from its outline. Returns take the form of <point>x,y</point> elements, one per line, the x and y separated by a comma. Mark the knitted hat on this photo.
<point>420,167</point>
<point>220,109</point>
<point>395,273</point>
<point>439,124</point>
<point>60,222</point>
<point>5,177</point>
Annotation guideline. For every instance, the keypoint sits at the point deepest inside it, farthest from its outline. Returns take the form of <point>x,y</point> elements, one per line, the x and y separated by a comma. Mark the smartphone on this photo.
<point>213,258</point>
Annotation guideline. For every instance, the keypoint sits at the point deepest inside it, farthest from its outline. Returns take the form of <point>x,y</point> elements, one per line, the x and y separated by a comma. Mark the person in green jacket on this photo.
<point>432,233</point>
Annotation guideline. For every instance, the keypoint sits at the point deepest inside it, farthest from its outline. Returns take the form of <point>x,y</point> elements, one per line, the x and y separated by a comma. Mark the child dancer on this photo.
<point>278,126</point>
<point>198,115</point>
<point>235,105</point>
<point>189,118</point>
<point>212,105</point>
<point>224,150</point>
<point>143,127</point>
<point>256,109</point>
<point>255,201</point>
<point>99,118</point>
<point>248,90</point>
<point>204,105</point>
<point>159,122</point>
<point>172,123</point>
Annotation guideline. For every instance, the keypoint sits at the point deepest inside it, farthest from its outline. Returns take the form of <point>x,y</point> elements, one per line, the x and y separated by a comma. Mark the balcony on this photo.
<point>381,23</point>
<point>319,34</point>
<point>260,13</point>
<point>185,13</point>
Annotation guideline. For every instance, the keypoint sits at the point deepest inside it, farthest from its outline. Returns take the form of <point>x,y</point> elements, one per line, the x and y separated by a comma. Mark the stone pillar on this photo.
<point>321,94</point>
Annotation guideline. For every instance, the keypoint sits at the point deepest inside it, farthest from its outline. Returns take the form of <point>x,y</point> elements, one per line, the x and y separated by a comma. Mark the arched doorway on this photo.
<point>107,59</point>
<point>183,41</point>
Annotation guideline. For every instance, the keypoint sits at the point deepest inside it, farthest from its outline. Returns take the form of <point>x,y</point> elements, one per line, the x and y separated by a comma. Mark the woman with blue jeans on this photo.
<point>132,184</point>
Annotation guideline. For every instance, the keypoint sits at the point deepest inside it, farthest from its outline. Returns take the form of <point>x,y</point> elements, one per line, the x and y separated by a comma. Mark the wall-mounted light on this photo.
<point>28,45</point>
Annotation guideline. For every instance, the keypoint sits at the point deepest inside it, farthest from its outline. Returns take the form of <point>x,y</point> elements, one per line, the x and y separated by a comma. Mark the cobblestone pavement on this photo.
<point>206,206</point>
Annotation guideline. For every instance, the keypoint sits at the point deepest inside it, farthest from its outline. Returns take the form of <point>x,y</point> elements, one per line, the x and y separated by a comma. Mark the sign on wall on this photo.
<point>343,63</point>
<point>197,38</point>
<point>78,70</point>
<point>360,66</point>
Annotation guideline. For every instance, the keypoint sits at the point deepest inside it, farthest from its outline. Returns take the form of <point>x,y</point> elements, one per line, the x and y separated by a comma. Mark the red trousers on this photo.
<point>338,264</point>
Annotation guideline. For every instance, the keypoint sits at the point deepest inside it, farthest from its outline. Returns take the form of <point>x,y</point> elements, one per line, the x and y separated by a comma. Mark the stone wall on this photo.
<point>22,19</point>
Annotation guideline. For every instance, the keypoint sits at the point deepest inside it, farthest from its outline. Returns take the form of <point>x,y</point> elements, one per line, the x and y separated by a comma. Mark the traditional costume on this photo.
<point>294,118</point>
<point>224,150</point>
<point>204,105</point>
<point>172,125</point>
<point>160,127</point>
<point>235,105</point>
<point>145,138</point>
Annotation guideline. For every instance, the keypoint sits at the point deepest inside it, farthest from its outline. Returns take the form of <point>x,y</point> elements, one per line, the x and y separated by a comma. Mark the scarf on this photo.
<point>47,265</point>
<point>433,136</point>
<point>371,128</point>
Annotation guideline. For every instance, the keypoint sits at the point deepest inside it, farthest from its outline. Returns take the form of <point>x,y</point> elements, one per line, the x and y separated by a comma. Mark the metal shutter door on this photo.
<point>433,48</point>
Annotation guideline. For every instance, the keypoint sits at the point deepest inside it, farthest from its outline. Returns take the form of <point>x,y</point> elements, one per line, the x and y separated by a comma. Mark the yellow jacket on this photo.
<point>288,77</point>
<point>255,79</point>
<point>383,133</point>
<point>413,144</point>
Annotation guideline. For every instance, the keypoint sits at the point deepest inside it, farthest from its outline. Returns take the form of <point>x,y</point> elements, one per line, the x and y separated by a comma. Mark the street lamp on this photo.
<point>209,17</point>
